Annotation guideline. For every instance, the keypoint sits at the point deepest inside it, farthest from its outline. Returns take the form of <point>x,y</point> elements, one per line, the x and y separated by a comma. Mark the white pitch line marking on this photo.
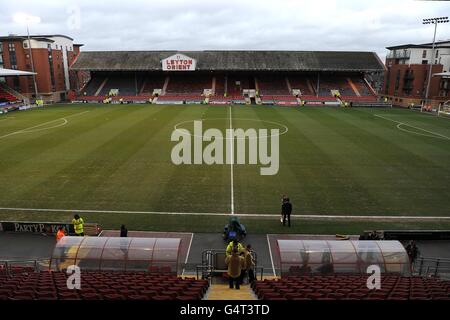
<point>30,129</point>
<point>249,215</point>
<point>270,253</point>
<point>399,124</point>
<point>231,166</point>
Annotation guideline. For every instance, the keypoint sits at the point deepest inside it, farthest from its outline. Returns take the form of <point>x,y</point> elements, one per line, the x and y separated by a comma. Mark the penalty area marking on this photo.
<point>33,128</point>
<point>400,124</point>
<point>244,215</point>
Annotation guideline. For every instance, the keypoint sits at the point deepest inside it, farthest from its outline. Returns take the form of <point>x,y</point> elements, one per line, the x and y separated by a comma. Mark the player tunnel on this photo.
<point>300,257</point>
<point>117,254</point>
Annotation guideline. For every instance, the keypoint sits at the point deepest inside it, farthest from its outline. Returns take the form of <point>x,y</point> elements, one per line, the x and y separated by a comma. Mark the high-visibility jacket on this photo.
<point>59,235</point>
<point>240,248</point>
<point>78,225</point>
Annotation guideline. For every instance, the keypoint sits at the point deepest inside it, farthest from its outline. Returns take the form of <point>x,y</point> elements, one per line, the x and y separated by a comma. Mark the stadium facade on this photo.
<point>406,78</point>
<point>224,77</point>
<point>52,56</point>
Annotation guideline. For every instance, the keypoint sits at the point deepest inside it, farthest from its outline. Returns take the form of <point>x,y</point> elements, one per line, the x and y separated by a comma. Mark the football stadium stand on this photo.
<point>351,287</point>
<point>25,285</point>
<point>222,77</point>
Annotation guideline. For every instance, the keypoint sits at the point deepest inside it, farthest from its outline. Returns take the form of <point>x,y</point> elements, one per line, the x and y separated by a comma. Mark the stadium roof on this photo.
<point>233,60</point>
<point>35,37</point>
<point>440,44</point>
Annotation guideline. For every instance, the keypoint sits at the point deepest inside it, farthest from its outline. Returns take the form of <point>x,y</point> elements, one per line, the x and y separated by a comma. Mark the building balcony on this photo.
<point>399,54</point>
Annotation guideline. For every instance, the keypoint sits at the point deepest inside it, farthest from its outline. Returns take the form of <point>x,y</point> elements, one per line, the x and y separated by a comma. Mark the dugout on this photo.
<point>117,254</point>
<point>297,257</point>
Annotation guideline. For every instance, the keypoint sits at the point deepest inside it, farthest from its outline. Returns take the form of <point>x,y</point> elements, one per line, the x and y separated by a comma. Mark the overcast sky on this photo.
<point>232,24</point>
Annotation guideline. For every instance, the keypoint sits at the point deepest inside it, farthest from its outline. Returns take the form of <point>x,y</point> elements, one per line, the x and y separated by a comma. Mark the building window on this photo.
<point>424,61</point>
<point>1,47</point>
<point>52,72</point>
<point>11,47</point>
<point>12,56</point>
<point>424,54</point>
<point>437,53</point>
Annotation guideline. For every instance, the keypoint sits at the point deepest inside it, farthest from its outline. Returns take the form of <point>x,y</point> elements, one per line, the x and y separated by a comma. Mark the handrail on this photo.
<point>9,263</point>
<point>432,265</point>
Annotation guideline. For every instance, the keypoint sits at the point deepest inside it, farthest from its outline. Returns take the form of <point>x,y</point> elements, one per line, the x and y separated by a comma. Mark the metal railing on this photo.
<point>437,267</point>
<point>399,54</point>
<point>211,266</point>
<point>33,265</point>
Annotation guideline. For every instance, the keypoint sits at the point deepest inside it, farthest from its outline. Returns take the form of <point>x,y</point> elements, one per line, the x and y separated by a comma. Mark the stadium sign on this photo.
<point>179,62</point>
<point>34,227</point>
<point>46,227</point>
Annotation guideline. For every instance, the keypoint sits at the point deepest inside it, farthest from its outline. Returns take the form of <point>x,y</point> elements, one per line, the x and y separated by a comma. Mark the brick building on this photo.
<point>406,76</point>
<point>52,56</point>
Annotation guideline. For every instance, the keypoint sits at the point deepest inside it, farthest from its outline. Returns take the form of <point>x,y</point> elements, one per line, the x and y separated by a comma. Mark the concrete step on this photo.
<point>223,292</point>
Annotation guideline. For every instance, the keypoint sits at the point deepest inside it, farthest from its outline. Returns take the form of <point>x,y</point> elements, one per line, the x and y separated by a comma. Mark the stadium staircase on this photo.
<point>352,85</point>
<point>223,292</point>
<point>10,95</point>
<point>100,87</point>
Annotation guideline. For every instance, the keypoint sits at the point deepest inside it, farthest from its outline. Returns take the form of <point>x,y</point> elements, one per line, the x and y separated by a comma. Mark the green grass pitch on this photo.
<point>333,161</point>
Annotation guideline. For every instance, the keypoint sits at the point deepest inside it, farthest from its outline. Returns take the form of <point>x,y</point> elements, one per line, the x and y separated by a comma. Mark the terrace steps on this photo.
<point>223,292</point>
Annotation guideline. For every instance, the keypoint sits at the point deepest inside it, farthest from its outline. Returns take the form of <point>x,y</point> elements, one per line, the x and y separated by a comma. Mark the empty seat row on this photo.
<point>101,285</point>
<point>317,287</point>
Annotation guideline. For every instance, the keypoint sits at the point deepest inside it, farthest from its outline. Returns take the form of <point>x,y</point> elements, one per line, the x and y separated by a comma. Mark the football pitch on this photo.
<point>113,162</point>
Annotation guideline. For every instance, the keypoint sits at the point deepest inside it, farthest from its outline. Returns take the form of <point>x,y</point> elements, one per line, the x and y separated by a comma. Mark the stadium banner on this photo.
<point>170,102</point>
<point>219,102</point>
<point>334,103</point>
<point>179,62</point>
<point>92,229</point>
<point>287,103</point>
<point>34,227</point>
<point>314,102</point>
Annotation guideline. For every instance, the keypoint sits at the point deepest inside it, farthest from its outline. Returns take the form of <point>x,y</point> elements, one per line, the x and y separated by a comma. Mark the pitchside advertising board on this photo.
<point>34,227</point>
<point>92,229</point>
<point>179,62</point>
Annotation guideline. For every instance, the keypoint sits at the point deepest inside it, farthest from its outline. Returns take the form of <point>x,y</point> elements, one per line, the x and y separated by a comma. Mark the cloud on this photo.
<point>233,24</point>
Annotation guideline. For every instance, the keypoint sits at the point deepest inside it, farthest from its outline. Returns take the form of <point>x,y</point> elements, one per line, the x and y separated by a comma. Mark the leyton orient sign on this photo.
<point>179,62</point>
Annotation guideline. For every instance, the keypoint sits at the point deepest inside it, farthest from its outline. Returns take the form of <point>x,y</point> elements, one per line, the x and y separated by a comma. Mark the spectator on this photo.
<point>249,265</point>
<point>412,251</point>
<point>286,210</point>
<point>235,264</point>
<point>305,268</point>
<point>61,233</point>
<point>327,266</point>
<point>78,224</point>
<point>123,231</point>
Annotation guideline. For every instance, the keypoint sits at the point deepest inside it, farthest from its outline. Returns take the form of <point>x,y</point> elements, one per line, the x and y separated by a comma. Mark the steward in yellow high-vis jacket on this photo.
<point>78,223</point>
